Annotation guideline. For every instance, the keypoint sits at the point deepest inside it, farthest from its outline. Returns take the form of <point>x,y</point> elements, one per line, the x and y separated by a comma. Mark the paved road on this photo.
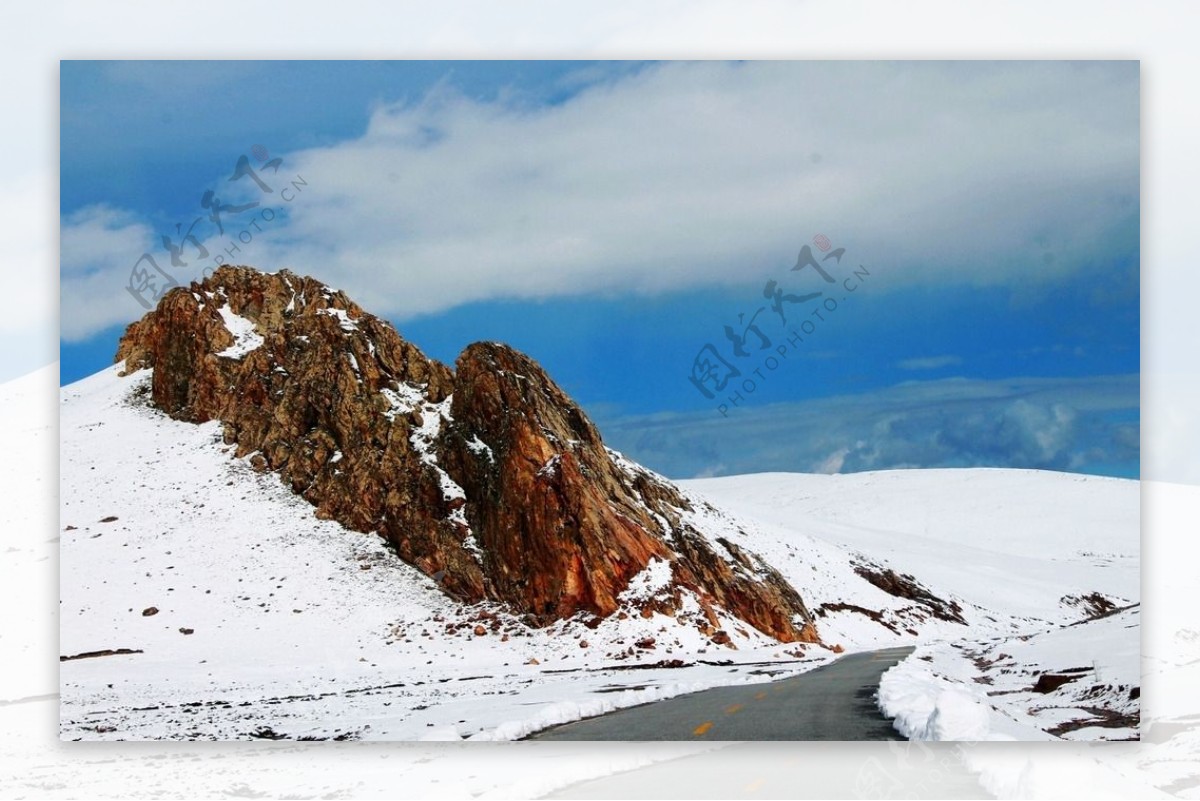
<point>834,702</point>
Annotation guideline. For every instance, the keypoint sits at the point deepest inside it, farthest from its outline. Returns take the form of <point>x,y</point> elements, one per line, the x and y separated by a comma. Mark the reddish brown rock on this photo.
<point>906,586</point>
<point>490,479</point>
<point>545,501</point>
<point>321,401</point>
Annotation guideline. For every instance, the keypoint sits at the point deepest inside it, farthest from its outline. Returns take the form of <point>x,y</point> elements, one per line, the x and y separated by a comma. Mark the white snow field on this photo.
<point>1025,546</point>
<point>984,690</point>
<point>203,600</point>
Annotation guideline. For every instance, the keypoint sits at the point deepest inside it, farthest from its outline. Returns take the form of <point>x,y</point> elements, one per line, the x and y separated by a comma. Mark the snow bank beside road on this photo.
<point>1075,682</point>
<point>927,706</point>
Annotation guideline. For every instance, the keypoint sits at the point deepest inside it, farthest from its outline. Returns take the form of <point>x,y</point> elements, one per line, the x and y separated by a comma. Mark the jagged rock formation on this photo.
<point>488,478</point>
<point>906,586</point>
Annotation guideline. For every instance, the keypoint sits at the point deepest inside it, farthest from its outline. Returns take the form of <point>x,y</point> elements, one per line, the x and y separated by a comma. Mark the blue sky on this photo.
<point>611,219</point>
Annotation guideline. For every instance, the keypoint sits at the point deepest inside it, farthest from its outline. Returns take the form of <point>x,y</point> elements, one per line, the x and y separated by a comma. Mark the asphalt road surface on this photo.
<point>834,702</point>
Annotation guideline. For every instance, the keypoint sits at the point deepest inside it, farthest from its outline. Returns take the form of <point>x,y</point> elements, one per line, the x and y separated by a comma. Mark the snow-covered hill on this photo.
<point>1055,556</point>
<point>1014,542</point>
<point>202,599</point>
<point>245,615</point>
<point>1078,682</point>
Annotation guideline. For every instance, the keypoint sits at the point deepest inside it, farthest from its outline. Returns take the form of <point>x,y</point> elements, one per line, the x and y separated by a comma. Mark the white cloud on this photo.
<point>928,362</point>
<point>1050,423</point>
<point>96,238</point>
<point>710,471</point>
<point>99,246</point>
<point>690,174</point>
<point>833,462</point>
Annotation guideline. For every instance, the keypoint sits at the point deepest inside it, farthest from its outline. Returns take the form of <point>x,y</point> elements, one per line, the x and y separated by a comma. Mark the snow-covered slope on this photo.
<point>270,622</point>
<point>244,615</point>
<point>1015,542</point>
<point>1079,682</point>
<point>1033,555</point>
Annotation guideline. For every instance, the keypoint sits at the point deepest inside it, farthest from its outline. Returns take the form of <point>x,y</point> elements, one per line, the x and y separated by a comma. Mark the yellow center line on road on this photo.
<point>730,710</point>
<point>753,786</point>
<point>760,696</point>
<point>703,728</point>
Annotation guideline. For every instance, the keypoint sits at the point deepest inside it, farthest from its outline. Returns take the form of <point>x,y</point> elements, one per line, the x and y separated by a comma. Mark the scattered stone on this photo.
<point>267,733</point>
<point>1049,682</point>
<point>150,611</point>
<point>1093,605</point>
<point>95,654</point>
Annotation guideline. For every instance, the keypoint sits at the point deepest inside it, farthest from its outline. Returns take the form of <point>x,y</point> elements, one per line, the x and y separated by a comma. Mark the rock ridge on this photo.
<point>487,477</point>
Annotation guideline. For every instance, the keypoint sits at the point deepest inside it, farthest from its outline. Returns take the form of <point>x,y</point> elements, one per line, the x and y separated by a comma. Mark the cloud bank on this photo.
<point>690,174</point>
<point>1084,424</point>
<point>928,362</point>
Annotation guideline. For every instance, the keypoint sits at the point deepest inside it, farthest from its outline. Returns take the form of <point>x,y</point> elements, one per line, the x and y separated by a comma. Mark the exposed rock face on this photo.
<point>905,586</point>
<point>488,478</point>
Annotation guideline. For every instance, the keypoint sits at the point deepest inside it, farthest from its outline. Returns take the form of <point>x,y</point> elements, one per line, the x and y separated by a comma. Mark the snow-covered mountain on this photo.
<point>247,553</point>
<point>487,478</point>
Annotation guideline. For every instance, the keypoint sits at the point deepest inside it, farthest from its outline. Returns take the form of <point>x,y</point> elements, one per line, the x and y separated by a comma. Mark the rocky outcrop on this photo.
<point>906,586</point>
<point>488,478</point>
